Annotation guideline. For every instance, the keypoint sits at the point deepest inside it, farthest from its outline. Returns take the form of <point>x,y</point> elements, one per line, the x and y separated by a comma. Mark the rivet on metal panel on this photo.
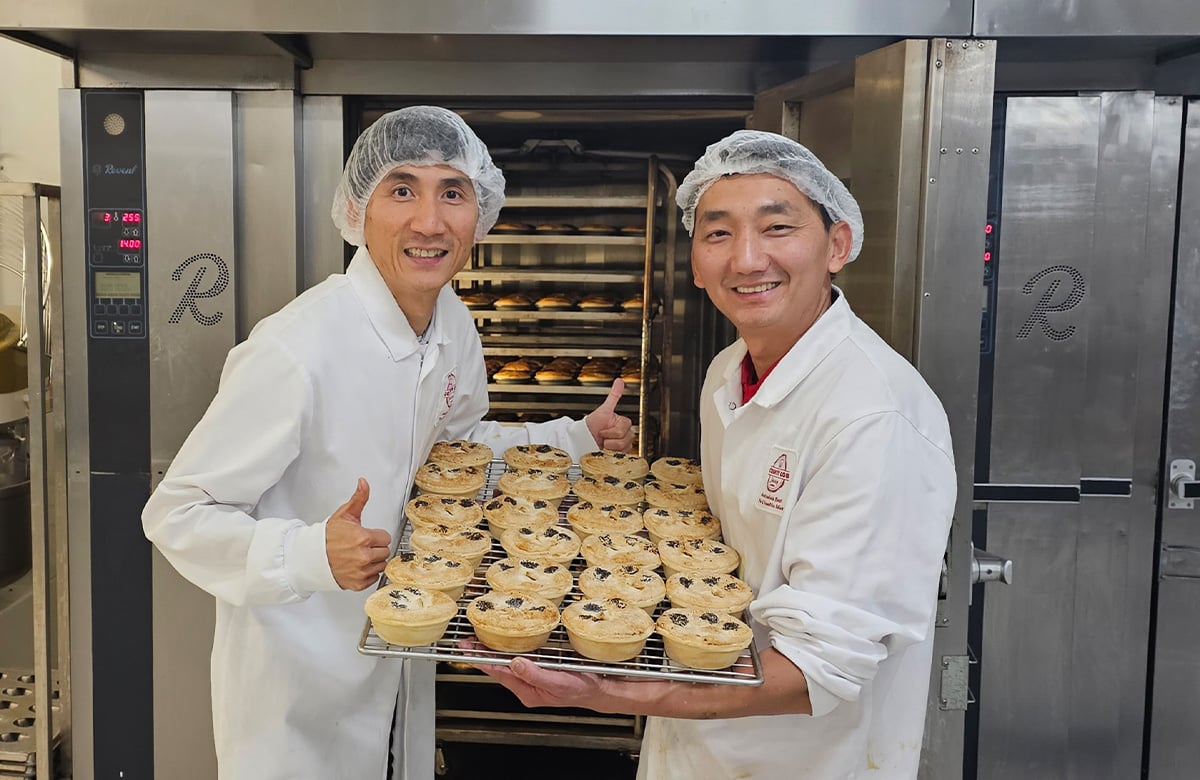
<point>965,44</point>
<point>949,45</point>
<point>943,150</point>
<point>928,294</point>
<point>974,150</point>
<point>937,64</point>
<point>958,150</point>
<point>932,180</point>
<point>982,45</point>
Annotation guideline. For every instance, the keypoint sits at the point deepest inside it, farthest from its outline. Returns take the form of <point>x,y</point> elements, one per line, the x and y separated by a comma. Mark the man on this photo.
<point>349,384</point>
<point>828,460</point>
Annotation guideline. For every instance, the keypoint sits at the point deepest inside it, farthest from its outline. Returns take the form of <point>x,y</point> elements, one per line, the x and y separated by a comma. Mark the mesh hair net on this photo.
<point>418,135</point>
<point>753,151</point>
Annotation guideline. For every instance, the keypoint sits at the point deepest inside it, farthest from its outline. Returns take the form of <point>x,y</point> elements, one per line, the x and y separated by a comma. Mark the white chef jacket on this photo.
<point>836,483</point>
<point>332,387</point>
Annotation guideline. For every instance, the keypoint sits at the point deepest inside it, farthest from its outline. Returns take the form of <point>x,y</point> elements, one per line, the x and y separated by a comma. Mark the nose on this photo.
<point>428,219</point>
<point>748,254</point>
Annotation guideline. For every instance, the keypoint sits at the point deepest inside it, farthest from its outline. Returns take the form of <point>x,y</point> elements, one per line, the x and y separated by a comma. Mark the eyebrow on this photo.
<point>407,178</point>
<point>767,209</point>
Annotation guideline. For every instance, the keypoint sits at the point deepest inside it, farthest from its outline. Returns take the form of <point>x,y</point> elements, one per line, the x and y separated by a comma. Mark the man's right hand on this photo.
<point>357,555</point>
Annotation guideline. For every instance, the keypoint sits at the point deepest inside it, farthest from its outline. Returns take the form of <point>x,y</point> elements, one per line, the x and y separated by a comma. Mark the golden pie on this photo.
<point>447,574</point>
<point>505,512</point>
<point>555,544</point>
<point>642,588</point>
<point>551,581</point>
<point>609,490</point>
<point>713,592</point>
<point>665,523</point>
<point>460,452</point>
<point>459,481</point>
<point>535,483</point>
<point>682,471</point>
<point>675,495</point>
<point>435,509</point>
<point>538,456</point>
<point>512,622</point>
<point>607,463</point>
<point>611,550</point>
<point>589,519</point>
<point>703,639</point>
<point>409,616</point>
<point>697,556</point>
<point>608,630</point>
<point>469,544</point>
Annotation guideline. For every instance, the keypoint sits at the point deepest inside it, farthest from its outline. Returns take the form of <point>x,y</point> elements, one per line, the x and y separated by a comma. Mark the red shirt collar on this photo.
<point>750,385</point>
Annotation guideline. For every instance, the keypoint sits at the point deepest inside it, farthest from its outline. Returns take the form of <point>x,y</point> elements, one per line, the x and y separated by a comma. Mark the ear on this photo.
<point>841,241</point>
<point>696,276</point>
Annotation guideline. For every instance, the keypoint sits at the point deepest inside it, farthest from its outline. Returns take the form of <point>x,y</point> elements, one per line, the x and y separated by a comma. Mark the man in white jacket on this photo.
<point>828,460</point>
<point>348,385</point>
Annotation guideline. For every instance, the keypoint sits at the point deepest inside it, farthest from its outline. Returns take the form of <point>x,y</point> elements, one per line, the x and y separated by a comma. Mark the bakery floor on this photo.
<point>462,760</point>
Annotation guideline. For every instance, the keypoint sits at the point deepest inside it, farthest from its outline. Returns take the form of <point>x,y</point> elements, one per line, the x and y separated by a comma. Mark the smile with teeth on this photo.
<point>416,252</point>
<point>756,288</point>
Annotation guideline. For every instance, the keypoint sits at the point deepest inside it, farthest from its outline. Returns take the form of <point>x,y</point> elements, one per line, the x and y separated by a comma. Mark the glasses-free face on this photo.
<point>762,253</point>
<point>419,229</point>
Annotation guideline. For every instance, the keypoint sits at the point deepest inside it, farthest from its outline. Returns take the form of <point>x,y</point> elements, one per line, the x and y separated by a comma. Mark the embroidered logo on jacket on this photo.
<point>449,389</point>
<point>775,485</point>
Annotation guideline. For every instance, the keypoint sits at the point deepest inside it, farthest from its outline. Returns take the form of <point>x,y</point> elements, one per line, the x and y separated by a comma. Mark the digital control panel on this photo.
<point>114,157</point>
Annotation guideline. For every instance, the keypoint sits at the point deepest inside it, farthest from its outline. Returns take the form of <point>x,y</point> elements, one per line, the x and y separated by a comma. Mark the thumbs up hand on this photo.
<point>357,555</point>
<point>611,431</point>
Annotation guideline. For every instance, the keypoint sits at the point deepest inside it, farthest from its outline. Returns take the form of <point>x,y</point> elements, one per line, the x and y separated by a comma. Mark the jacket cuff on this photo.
<point>820,699</point>
<point>306,562</point>
<point>580,439</point>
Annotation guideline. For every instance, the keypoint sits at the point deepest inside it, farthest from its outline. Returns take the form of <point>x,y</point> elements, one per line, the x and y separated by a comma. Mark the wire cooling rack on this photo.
<point>458,645</point>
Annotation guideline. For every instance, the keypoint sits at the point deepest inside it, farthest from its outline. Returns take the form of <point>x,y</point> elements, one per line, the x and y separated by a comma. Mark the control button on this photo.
<point>118,328</point>
<point>135,328</point>
<point>112,309</point>
<point>122,310</point>
<point>98,309</point>
<point>100,327</point>
<point>135,309</point>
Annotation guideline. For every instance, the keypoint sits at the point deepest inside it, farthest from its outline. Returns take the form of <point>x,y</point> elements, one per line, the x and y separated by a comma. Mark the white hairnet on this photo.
<point>753,151</point>
<point>418,135</point>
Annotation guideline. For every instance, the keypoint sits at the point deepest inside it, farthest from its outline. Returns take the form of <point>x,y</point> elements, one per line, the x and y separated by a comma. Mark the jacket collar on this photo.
<point>387,319</point>
<point>830,329</point>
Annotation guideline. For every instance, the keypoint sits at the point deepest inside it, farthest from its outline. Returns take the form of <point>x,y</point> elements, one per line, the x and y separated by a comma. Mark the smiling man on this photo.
<point>828,460</point>
<point>342,393</point>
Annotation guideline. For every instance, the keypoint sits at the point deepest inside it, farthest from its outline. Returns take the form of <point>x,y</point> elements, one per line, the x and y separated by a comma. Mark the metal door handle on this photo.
<point>1183,485</point>
<point>986,567</point>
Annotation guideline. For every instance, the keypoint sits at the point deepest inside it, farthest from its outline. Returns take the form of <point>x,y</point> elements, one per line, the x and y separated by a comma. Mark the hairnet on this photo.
<point>753,151</point>
<point>418,135</point>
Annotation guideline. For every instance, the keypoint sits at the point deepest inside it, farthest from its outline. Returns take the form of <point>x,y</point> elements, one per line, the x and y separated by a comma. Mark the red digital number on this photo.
<point>130,243</point>
<point>131,216</point>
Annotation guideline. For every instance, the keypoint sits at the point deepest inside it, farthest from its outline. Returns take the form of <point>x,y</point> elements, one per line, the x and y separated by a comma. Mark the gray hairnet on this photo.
<point>753,151</point>
<point>418,135</point>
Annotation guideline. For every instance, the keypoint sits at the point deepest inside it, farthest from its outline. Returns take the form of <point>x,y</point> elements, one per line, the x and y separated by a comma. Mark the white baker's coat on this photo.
<point>330,388</point>
<point>836,482</point>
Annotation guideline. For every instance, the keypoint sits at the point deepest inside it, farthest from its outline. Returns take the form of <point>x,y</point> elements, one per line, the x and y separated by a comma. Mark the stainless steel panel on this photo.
<point>322,131</point>
<point>78,747</point>
<point>633,17</point>
<point>1051,147</point>
<point>191,267</point>
<point>1089,184</point>
<point>886,177</point>
<point>1176,686</point>
<point>953,205</point>
<point>1095,17</point>
<point>267,138</point>
<point>158,70</point>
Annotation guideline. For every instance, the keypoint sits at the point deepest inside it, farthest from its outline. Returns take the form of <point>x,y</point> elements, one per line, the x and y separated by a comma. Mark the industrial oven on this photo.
<point>1033,254</point>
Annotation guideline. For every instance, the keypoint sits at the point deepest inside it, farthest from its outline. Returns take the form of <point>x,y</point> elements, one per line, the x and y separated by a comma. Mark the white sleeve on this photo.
<point>862,556</point>
<point>200,516</point>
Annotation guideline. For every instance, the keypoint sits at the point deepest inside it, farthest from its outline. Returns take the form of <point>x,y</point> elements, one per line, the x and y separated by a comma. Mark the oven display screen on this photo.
<point>117,284</point>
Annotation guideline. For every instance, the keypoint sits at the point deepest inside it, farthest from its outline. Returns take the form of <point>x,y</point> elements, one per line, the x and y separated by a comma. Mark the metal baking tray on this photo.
<point>557,653</point>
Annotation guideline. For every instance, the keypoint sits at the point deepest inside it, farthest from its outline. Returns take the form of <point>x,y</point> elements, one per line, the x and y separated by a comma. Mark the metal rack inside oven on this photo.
<point>472,708</point>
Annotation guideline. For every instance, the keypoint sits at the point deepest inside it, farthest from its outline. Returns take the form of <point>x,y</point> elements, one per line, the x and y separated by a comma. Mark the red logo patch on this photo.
<point>778,474</point>
<point>451,387</point>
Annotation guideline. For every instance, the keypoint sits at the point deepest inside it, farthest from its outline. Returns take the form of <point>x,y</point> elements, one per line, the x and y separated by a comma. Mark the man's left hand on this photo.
<point>611,431</point>
<point>538,687</point>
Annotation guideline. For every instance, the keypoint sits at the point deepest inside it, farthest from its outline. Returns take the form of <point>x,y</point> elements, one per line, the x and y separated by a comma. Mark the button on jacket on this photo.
<point>836,482</point>
<point>332,387</point>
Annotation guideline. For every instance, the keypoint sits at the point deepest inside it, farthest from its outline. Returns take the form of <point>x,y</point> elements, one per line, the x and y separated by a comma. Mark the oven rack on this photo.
<point>457,644</point>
